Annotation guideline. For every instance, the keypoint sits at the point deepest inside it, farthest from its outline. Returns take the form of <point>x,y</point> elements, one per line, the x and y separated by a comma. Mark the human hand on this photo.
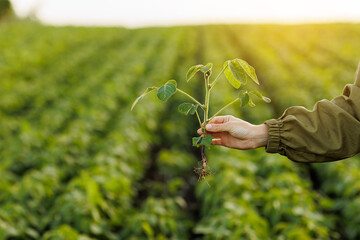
<point>233,132</point>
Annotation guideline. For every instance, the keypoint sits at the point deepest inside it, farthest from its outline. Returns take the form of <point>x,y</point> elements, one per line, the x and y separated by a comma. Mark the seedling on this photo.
<point>237,71</point>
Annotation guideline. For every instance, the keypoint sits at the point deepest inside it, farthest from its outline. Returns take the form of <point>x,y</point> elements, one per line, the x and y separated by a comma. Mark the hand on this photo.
<point>233,132</point>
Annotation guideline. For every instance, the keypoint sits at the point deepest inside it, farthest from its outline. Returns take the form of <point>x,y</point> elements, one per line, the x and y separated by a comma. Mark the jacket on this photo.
<point>330,132</point>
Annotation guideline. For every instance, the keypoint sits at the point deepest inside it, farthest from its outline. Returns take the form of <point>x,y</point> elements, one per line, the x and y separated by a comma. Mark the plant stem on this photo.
<point>189,96</point>
<point>198,117</point>
<point>228,105</point>
<point>207,100</point>
<point>213,83</point>
<point>202,171</point>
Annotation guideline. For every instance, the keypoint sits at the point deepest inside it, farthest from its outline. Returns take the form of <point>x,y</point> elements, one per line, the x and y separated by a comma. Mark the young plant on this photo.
<point>237,71</point>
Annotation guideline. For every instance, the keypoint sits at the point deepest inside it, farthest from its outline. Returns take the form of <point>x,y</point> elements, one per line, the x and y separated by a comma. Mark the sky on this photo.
<point>143,13</point>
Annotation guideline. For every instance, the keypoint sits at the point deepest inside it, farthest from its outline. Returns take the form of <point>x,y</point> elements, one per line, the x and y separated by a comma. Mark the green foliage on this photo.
<point>235,220</point>
<point>238,71</point>
<point>187,108</point>
<point>244,98</point>
<point>259,95</point>
<point>206,141</point>
<point>206,68</point>
<point>230,77</point>
<point>196,141</point>
<point>192,71</point>
<point>148,90</point>
<point>166,91</point>
<point>262,197</point>
<point>242,66</point>
<point>64,232</point>
<point>341,180</point>
<point>157,220</point>
<point>74,164</point>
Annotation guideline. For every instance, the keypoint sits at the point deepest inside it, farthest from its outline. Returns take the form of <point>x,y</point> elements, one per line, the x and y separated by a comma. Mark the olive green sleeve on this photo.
<point>330,132</point>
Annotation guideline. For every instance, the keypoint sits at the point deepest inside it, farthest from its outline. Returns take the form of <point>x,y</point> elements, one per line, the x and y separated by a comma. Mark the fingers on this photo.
<point>216,142</point>
<point>222,127</point>
<point>217,124</point>
<point>234,143</point>
<point>213,134</point>
<point>218,119</point>
<point>221,119</point>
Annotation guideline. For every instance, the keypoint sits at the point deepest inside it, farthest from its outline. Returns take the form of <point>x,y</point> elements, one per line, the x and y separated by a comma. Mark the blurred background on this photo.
<point>76,163</point>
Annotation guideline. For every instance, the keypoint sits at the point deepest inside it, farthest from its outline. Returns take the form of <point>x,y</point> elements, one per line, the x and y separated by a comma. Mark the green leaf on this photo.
<point>256,93</point>
<point>193,109</point>
<point>166,91</point>
<point>230,77</point>
<point>206,141</point>
<point>259,95</point>
<point>192,71</point>
<point>253,75</point>
<point>172,81</point>
<point>196,141</point>
<point>249,70</point>
<point>237,71</point>
<point>148,90</point>
<point>148,230</point>
<point>244,98</point>
<point>266,99</point>
<point>206,68</point>
<point>187,108</point>
<point>251,103</point>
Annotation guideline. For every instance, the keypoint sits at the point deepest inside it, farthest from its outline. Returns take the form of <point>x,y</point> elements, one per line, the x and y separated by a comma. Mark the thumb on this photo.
<point>222,127</point>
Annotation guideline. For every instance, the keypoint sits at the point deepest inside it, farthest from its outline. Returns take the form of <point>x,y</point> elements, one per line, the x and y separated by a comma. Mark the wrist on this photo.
<point>261,135</point>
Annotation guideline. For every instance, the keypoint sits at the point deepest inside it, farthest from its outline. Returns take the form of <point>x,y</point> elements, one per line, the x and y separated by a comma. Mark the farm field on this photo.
<point>76,163</point>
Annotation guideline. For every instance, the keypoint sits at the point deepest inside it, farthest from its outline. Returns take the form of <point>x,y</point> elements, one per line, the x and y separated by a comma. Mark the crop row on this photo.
<point>75,163</point>
<point>253,196</point>
<point>88,168</point>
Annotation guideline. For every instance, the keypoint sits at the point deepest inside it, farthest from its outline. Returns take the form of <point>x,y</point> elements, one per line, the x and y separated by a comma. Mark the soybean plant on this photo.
<point>237,71</point>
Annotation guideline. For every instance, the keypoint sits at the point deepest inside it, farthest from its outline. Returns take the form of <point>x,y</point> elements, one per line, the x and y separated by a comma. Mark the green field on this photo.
<point>76,163</point>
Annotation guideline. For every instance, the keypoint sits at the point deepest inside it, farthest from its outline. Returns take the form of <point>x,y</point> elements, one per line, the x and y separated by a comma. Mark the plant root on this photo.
<point>204,170</point>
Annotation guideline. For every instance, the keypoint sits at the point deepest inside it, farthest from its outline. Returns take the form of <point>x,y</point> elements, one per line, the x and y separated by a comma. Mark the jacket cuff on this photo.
<point>274,126</point>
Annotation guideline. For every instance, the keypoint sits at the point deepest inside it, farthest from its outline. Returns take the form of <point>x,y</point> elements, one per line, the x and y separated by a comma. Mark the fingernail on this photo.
<point>209,127</point>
